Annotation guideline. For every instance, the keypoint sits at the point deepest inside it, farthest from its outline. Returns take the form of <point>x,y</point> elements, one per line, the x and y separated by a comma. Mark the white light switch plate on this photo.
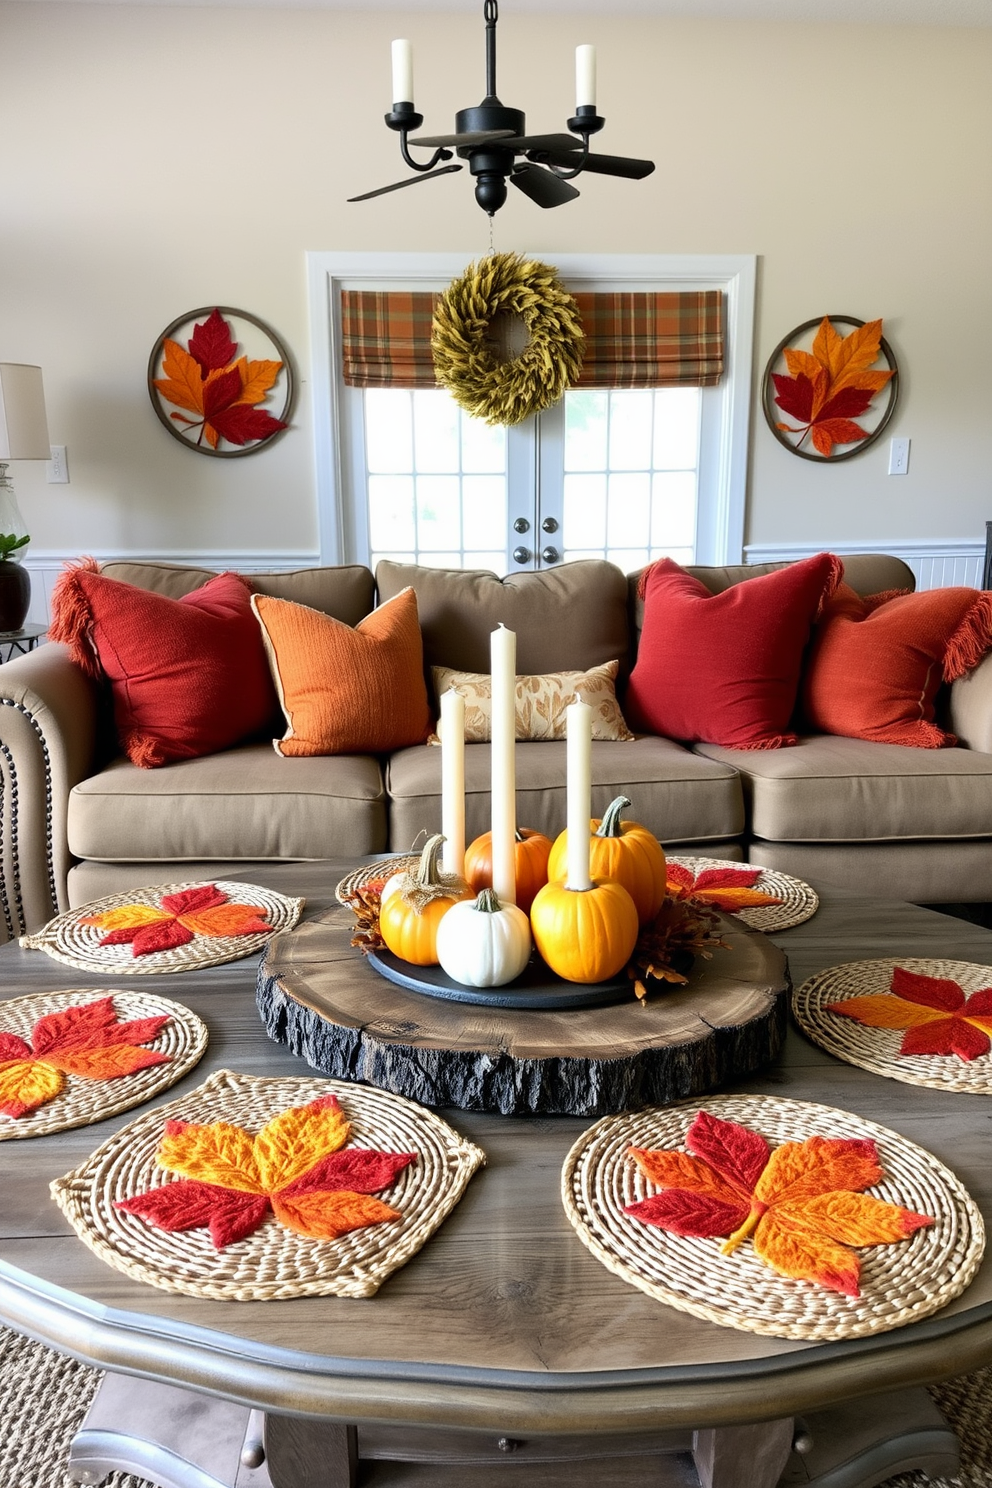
<point>58,466</point>
<point>898,456</point>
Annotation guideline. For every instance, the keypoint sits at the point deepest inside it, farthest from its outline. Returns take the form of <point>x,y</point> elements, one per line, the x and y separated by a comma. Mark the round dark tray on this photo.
<point>537,986</point>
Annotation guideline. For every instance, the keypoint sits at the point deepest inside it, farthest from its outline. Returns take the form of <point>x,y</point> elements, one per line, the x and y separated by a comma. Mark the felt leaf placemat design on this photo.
<point>922,1021</point>
<point>738,888</point>
<point>167,928</point>
<point>252,1188</point>
<point>71,1058</point>
<point>646,1193</point>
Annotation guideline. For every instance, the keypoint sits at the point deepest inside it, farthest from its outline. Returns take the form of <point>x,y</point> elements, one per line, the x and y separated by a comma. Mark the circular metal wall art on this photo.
<point>830,387</point>
<point>221,381</point>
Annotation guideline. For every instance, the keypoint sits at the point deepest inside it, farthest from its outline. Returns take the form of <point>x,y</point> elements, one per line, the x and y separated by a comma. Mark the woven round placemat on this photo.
<point>798,902</point>
<point>274,1262</point>
<point>80,1102</point>
<point>900,1283</point>
<point>374,873</point>
<point>67,939</point>
<point>877,1049</point>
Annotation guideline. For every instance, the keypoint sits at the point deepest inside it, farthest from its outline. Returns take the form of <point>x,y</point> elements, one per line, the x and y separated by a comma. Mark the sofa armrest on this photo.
<point>48,730</point>
<point>970,707</point>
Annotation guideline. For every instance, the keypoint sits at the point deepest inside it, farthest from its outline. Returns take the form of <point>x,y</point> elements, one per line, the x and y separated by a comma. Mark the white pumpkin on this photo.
<point>482,943</point>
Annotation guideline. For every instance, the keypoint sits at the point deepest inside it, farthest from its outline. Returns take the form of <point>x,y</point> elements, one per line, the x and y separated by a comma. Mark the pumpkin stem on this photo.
<point>427,873</point>
<point>611,826</point>
<point>420,885</point>
<point>487,902</point>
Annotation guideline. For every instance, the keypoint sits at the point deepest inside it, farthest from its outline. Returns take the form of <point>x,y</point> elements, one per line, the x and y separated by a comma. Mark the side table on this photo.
<point>20,642</point>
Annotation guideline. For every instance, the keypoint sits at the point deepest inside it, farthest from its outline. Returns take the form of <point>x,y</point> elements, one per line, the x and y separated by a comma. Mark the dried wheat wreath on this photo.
<point>466,360</point>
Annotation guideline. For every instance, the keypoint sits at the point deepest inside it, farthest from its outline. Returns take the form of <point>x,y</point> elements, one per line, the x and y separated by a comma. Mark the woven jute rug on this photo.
<point>74,940</point>
<point>44,1397</point>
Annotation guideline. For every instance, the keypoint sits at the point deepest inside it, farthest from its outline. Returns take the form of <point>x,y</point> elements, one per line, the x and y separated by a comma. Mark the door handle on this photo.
<point>521,525</point>
<point>521,555</point>
<point>550,555</point>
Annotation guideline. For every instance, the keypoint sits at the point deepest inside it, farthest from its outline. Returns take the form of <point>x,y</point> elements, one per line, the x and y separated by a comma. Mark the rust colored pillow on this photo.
<point>344,690</point>
<point>725,667</point>
<point>188,676</point>
<point>876,663</point>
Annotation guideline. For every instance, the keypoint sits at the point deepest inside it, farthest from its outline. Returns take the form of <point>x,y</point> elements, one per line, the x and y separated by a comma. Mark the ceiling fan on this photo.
<point>491,137</point>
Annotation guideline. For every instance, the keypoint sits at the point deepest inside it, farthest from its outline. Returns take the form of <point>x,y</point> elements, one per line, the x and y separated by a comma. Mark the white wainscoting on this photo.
<point>936,565</point>
<point>45,567</point>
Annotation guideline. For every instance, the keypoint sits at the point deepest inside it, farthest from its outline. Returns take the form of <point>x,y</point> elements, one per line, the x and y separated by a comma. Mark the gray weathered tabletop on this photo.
<point>504,1313</point>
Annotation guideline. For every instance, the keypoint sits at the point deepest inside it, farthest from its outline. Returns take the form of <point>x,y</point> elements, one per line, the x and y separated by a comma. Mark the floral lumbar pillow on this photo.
<point>540,702</point>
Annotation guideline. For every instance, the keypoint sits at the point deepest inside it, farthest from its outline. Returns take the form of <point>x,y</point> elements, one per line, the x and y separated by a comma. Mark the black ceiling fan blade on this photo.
<point>543,186</point>
<point>461,141</point>
<point>444,170</point>
<point>543,142</point>
<point>604,165</point>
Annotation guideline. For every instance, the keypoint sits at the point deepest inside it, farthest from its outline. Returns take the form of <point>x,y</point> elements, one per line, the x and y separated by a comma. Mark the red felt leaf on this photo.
<point>836,431</point>
<point>203,897</point>
<point>165,936</point>
<point>677,873</point>
<point>220,393</point>
<point>689,1213</point>
<point>725,878</point>
<point>188,1204</point>
<point>794,395</point>
<point>737,1153</point>
<point>848,403</point>
<point>72,1024</point>
<point>12,1047</point>
<point>106,1063</point>
<point>354,1169</point>
<point>212,344</point>
<point>979,1004</point>
<point>948,1036</point>
<point>241,424</point>
<point>935,992</point>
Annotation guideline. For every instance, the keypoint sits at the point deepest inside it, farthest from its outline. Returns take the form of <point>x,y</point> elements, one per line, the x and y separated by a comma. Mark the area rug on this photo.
<point>44,1397</point>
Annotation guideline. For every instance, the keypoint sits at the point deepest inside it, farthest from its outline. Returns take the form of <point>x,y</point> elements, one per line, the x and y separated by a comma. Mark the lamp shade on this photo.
<point>23,424</point>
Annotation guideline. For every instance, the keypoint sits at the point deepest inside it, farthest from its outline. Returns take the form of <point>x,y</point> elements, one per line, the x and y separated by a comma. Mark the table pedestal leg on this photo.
<point>310,1454</point>
<point>742,1456</point>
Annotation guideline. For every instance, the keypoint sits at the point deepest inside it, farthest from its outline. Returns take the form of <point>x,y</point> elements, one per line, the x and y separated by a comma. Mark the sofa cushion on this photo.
<point>679,796</point>
<point>347,592</point>
<point>243,804</point>
<point>541,702</point>
<point>832,789</point>
<point>725,667</point>
<point>346,689</point>
<point>188,676</point>
<point>569,618</point>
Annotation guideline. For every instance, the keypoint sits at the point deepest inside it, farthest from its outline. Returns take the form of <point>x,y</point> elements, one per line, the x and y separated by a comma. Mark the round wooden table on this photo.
<point>503,1342</point>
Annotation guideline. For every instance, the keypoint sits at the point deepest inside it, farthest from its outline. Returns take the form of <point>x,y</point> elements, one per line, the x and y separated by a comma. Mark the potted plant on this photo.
<point>15,582</point>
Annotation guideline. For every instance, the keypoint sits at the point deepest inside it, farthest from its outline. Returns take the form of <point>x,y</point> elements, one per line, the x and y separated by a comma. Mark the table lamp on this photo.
<point>23,436</point>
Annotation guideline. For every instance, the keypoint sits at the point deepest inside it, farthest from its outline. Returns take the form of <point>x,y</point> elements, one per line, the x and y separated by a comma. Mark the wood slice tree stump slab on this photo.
<point>319,997</point>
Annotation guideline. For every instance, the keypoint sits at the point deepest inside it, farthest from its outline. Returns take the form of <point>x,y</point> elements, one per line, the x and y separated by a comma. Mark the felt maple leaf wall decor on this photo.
<point>825,390</point>
<point>212,394</point>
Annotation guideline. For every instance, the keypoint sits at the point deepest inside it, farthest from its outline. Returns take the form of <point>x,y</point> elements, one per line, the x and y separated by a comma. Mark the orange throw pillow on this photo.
<point>344,690</point>
<point>876,663</point>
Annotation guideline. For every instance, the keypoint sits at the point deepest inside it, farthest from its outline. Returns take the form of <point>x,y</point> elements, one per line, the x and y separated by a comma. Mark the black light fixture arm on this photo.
<point>403,117</point>
<point>585,122</point>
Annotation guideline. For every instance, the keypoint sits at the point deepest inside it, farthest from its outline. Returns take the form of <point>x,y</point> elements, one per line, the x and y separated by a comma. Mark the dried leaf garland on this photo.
<point>681,930</point>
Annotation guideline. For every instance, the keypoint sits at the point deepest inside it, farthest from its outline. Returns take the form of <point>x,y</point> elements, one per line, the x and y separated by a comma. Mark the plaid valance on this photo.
<point>633,339</point>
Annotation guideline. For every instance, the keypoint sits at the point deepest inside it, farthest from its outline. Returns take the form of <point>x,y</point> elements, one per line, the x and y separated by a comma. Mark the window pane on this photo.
<point>496,561</point>
<point>676,428</point>
<point>630,430</point>
<point>629,512</point>
<point>673,510</point>
<point>391,508</point>
<point>388,430</point>
<point>439,513</point>
<point>435,431</point>
<point>585,430</point>
<point>629,559</point>
<point>484,511</point>
<point>584,511</point>
<point>483,445</point>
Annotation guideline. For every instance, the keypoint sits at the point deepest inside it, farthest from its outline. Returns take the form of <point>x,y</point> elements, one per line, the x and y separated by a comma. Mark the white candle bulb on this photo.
<point>585,76</point>
<point>452,729</point>
<point>402,72</point>
<point>503,678</point>
<point>578,775</point>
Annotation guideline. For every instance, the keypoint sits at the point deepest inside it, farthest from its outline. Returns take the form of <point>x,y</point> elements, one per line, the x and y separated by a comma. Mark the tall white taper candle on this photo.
<point>585,75</point>
<point>578,770</point>
<point>453,780</point>
<point>402,72</point>
<point>503,676</point>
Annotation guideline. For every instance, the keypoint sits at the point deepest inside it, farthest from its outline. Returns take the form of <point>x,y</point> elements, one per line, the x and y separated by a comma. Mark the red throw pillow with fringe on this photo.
<point>724,668</point>
<point>188,676</point>
<point>876,663</point>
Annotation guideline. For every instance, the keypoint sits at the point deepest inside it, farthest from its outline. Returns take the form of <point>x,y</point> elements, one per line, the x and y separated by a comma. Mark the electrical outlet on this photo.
<point>898,456</point>
<point>58,466</point>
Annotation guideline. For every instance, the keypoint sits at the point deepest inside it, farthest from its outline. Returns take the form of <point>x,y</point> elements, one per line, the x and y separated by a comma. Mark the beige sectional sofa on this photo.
<point>78,821</point>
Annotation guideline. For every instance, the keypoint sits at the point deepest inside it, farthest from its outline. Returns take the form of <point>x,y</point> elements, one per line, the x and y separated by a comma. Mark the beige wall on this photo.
<point>157,159</point>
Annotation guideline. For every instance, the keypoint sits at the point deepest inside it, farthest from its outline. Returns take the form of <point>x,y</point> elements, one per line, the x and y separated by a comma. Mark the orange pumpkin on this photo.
<point>530,857</point>
<point>585,935</point>
<point>622,850</point>
<point>409,918</point>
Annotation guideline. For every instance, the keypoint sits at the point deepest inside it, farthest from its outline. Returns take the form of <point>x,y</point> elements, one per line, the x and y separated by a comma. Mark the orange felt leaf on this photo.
<point>127,917</point>
<point>256,379</point>
<point>849,355</point>
<point>210,435</point>
<point>804,363</point>
<point>106,1062</point>
<point>325,1216</point>
<point>804,1253</point>
<point>225,919</point>
<point>858,1218</point>
<point>882,1010</point>
<point>220,1153</point>
<point>26,1084</point>
<point>733,899</point>
<point>679,1170</point>
<point>183,380</point>
<point>804,1170</point>
<point>296,1139</point>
